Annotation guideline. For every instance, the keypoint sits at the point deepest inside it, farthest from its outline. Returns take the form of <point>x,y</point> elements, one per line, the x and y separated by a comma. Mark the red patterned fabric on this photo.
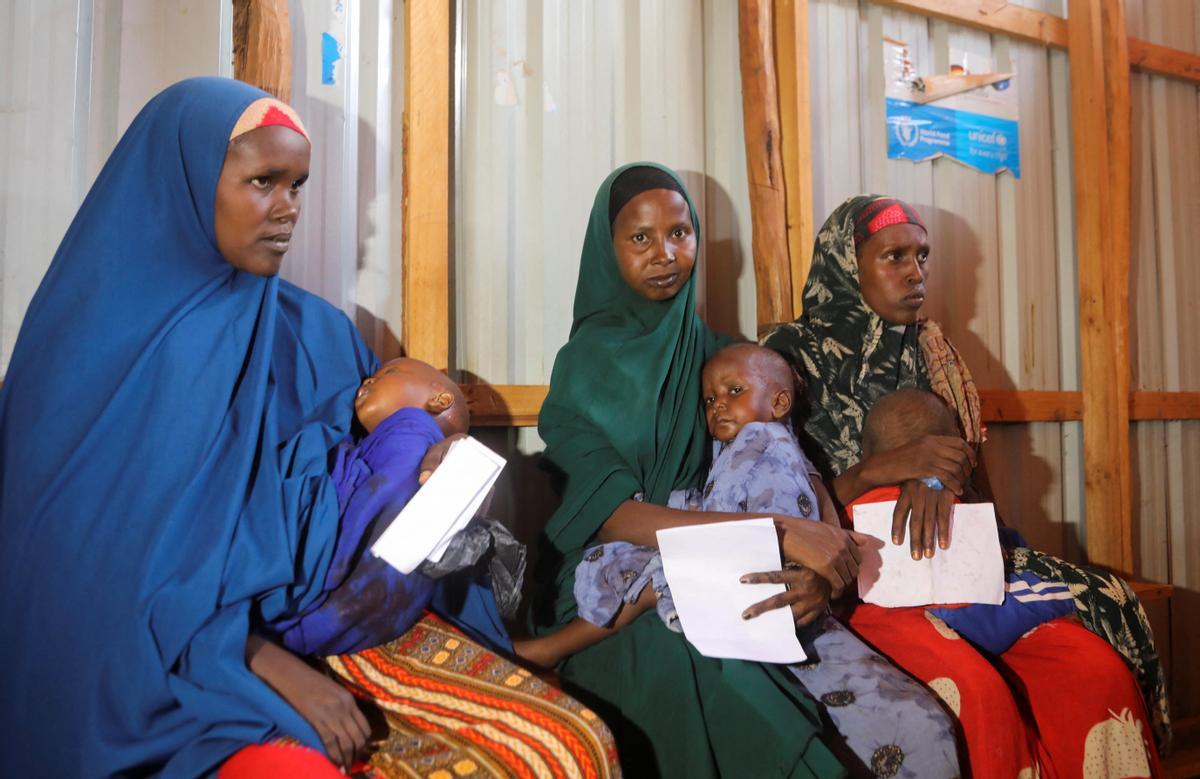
<point>278,759</point>
<point>1059,703</point>
<point>274,116</point>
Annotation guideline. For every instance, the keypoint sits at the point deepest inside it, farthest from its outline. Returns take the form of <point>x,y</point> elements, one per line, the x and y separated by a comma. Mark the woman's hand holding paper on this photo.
<point>829,551</point>
<point>807,593</point>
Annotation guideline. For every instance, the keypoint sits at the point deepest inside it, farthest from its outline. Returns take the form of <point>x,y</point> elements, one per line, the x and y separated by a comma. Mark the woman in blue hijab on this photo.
<point>165,425</point>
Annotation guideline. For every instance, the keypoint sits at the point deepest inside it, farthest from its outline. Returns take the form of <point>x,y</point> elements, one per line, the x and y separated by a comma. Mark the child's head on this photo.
<point>408,383</point>
<point>652,232</point>
<point>902,416</point>
<point>745,383</point>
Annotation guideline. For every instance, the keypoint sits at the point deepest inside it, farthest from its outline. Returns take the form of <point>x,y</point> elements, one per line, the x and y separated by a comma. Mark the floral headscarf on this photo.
<point>850,356</point>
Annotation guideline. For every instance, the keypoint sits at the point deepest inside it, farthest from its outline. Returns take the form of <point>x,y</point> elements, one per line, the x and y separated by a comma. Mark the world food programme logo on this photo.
<point>906,131</point>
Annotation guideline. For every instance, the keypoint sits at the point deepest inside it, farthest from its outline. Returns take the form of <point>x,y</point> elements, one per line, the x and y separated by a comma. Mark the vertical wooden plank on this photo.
<point>795,115</point>
<point>426,244</point>
<point>1100,119</point>
<point>764,162</point>
<point>262,46</point>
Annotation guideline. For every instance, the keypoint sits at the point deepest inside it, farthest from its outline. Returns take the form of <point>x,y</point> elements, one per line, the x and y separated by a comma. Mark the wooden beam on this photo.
<point>1151,591</point>
<point>1100,126</point>
<point>1011,19</point>
<point>795,117</point>
<point>426,243</point>
<point>1030,406</point>
<point>1027,24</point>
<point>504,405</point>
<point>764,163</point>
<point>518,405</point>
<point>262,46</point>
<point>1164,405</point>
<point>1152,58</point>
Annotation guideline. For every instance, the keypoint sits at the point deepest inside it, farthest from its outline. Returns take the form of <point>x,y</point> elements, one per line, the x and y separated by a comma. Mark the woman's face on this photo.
<point>892,268</point>
<point>258,197</point>
<point>655,243</point>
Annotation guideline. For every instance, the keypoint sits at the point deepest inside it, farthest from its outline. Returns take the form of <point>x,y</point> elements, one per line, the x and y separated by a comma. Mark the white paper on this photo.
<point>970,571</point>
<point>441,507</point>
<point>703,565</point>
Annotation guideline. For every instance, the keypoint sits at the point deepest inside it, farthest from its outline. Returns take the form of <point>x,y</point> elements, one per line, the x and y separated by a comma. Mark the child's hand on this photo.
<point>829,551</point>
<point>434,456</point>
<point>929,509</point>
<point>325,704</point>
<point>807,593</point>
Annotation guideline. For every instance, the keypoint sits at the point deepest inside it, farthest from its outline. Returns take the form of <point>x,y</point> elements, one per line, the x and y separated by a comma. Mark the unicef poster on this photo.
<point>969,115</point>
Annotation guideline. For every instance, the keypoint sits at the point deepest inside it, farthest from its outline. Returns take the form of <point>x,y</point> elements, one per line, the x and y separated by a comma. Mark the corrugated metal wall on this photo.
<point>78,71</point>
<point>1165,318</point>
<point>555,94</point>
<point>75,74</point>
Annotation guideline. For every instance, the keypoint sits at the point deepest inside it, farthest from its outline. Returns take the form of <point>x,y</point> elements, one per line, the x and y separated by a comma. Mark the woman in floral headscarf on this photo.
<point>861,337</point>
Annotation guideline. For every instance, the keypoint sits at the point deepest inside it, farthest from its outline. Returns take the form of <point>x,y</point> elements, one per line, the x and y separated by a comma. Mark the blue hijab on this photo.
<point>165,429</point>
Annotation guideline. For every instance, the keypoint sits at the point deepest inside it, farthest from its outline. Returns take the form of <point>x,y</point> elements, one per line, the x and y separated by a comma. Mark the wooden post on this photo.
<point>426,244</point>
<point>262,46</point>
<point>764,163</point>
<point>795,115</point>
<point>1100,125</point>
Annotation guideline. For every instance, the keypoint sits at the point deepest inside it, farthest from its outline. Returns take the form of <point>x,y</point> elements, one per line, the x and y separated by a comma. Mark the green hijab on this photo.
<point>623,414</point>
<point>848,355</point>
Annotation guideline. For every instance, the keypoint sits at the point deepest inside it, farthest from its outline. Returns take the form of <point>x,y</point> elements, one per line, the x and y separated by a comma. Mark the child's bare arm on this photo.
<point>578,634</point>
<point>325,704</point>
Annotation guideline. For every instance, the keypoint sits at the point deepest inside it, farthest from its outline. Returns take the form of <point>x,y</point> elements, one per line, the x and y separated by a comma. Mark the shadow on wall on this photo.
<point>723,261</point>
<point>1020,479</point>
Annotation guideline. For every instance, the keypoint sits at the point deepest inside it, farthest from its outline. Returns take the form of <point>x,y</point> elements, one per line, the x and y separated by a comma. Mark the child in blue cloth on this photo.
<point>885,719</point>
<point>404,408</point>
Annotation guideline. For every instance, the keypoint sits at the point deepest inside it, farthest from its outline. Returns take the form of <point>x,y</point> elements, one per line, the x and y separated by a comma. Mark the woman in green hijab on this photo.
<point>623,417</point>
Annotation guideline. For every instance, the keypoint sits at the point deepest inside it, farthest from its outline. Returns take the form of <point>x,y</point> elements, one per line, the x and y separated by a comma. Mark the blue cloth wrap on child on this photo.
<point>365,601</point>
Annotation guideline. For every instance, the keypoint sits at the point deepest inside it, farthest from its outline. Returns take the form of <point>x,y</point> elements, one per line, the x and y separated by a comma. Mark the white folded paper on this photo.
<point>441,507</point>
<point>970,571</point>
<point>703,565</point>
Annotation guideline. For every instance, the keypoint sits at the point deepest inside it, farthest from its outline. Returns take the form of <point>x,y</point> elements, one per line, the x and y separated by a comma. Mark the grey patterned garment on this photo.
<point>890,725</point>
